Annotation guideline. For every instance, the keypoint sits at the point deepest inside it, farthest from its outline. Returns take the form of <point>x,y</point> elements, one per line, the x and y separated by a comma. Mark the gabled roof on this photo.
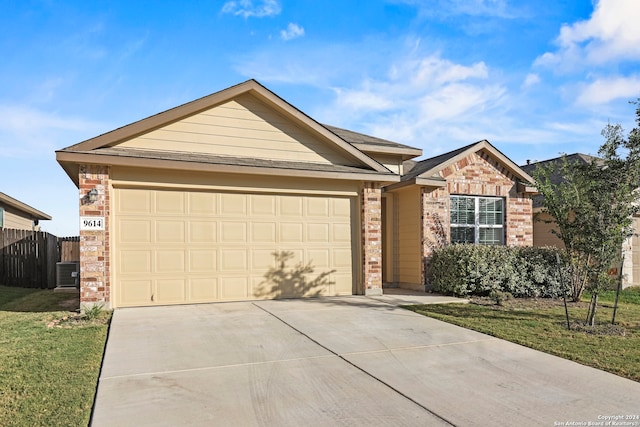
<point>427,172</point>
<point>23,207</point>
<point>97,150</point>
<point>372,144</point>
<point>571,158</point>
<point>556,177</point>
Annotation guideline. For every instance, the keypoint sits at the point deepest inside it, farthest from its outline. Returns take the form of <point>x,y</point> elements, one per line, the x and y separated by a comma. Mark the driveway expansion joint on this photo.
<point>358,367</point>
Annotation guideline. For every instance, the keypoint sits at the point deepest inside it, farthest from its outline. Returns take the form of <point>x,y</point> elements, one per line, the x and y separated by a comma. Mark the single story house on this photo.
<point>17,215</point>
<point>239,195</point>
<point>544,225</point>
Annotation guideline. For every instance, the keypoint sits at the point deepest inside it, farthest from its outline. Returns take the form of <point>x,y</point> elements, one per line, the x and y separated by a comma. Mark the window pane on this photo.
<point>463,235</point>
<point>491,236</point>
<point>462,210</point>
<point>491,212</point>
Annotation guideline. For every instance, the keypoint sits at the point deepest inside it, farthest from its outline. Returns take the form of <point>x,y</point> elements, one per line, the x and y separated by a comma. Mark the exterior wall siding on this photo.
<point>372,238</point>
<point>409,258</point>
<point>14,219</point>
<point>95,280</point>
<point>243,127</point>
<point>542,235</point>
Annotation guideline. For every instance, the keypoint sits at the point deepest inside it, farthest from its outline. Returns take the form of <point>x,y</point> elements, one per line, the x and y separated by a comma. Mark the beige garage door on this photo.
<point>175,247</point>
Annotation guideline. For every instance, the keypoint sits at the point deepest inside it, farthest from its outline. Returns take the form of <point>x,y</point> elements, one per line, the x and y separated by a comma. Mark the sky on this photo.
<point>536,79</point>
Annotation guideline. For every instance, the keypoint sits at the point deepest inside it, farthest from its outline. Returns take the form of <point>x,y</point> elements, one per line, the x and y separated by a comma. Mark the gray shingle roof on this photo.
<point>360,138</point>
<point>428,164</point>
<point>556,178</point>
<point>229,160</point>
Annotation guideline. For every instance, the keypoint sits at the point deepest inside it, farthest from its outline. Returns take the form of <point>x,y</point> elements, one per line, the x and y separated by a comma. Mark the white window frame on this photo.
<point>476,225</point>
<point>1,217</point>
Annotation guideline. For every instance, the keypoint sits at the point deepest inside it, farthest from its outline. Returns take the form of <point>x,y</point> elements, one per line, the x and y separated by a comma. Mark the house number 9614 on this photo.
<point>90,223</point>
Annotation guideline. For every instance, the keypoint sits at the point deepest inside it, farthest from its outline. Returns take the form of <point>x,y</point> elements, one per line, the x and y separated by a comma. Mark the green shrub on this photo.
<point>467,269</point>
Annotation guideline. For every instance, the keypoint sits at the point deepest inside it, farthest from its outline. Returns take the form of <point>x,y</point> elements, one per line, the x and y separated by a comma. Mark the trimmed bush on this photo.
<point>466,269</point>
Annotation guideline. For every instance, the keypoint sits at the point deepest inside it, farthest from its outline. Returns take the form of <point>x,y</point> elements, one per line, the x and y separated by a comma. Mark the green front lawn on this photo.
<point>541,324</point>
<point>48,368</point>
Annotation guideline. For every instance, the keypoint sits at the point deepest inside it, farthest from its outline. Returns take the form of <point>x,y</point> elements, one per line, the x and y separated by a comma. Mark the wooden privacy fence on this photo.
<point>28,258</point>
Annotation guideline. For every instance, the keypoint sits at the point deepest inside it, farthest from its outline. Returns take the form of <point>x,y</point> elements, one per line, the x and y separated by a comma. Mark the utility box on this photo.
<point>67,274</point>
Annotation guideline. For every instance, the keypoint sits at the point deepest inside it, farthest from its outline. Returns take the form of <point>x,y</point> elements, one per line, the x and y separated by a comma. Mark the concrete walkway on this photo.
<point>352,361</point>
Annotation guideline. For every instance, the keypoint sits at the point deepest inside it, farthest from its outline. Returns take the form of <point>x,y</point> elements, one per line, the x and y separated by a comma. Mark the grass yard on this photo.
<point>541,324</point>
<point>49,358</point>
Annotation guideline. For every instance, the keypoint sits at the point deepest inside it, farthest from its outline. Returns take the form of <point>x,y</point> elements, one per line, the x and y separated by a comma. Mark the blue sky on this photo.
<point>534,78</point>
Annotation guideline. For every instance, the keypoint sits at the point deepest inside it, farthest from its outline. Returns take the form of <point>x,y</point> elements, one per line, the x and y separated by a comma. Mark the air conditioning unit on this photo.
<point>67,274</point>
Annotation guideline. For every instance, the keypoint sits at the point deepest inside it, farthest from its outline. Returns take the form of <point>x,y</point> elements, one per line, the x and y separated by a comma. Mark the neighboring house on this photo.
<point>239,195</point>
<point>544,224</point>
<point>18,215</point>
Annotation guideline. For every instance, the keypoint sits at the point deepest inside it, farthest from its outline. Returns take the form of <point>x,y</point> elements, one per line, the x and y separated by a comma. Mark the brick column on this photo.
<point>372,238</point>
<point>95,285</point>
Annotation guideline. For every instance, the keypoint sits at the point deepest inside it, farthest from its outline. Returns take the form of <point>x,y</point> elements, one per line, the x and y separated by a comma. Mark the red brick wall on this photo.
<point>372,238</point>
<point>95,284</point>
<point>479,174</point>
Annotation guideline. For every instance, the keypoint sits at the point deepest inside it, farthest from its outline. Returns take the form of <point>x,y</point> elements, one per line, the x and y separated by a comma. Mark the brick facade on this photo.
<point>479,174</point>
<point>372,239</point>
<point>95,283</point>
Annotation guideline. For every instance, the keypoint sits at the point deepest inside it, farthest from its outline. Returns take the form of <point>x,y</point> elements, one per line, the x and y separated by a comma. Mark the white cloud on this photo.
<point>293,31</point>
<point>246,8</point>
<point>612,33</point>
<point>26,131</point>
<point>495,8</point>
<point>601,91</point>
<point>531,80</point>
<point>427,80</point>
<point>421,102</point>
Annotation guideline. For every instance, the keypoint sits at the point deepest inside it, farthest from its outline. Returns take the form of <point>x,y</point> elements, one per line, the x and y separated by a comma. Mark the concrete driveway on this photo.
<point>352,361</point>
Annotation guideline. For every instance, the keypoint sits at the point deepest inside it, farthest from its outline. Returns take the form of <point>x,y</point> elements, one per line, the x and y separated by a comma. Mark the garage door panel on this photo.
<point>168,231</point>
<point>135,292</point>
<point>203,231</point>
<point>132,201</point>
<point>262,260</point>
<point>342,284</point>
<point>290,206</point>
<point>202,203</point>
<point>319,259</point>
<point>234,288</point>
<point>341,233</point>
<point>261,288</point>
<point>263,205</point>
<point>341,208</point>
<point>233,260</point>
<point>318,233</point>
<point>291,232</point>
<point>203,289</point>
<point>170,291</point>
<point>341,259</point>
<point>317,207</point>
<point>206,246</point>
<point>170,261</point>
<point>232,232</point>
<point>170,202</point>
<point>263,232</point>
<point>134,231</point>
<point>203,261</point>
<point>233,204</point>
<point>135,261</point>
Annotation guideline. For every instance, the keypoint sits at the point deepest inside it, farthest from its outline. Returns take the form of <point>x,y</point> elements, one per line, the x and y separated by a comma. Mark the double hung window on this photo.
<point>477,220</point>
